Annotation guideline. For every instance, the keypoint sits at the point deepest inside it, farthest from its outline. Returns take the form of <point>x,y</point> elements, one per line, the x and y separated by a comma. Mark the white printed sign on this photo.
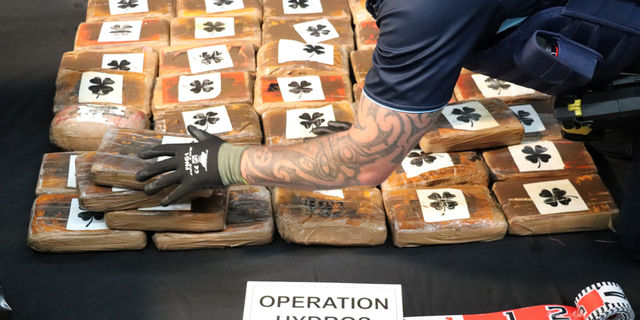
<point>199,87</point>
<point>80,219</point>
<point>300,300</point>
<point>300,122</point>
<point>443,205</point>
<point>316,31</point>
<point>212,120</point>
<point>175,140</point>
<point>494,88</point>
<point>469,116</point>
<point>529,118</point>
<point>117,7</point>
<point>418,162</point>
<point>206,28</point>
<point>95,113</point>
<point>173,207</point>
<point>301,6</point>
<point>559,196</point>
<point>133,62</point>
<point>305,88</point>
<point>209,58</point>
<point>215,6</point>
<point>100,87</point>
<point>71,175</point>
<point>117,31</point>
<point>290,50</point>
<point>536,156</point>
<point>338,193</point>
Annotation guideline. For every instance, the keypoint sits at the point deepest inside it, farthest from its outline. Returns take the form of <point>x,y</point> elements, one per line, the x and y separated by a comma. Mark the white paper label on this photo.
<point>469,116</point>
<point>214,6</point>
<point>207,28</point>
<point>301,6</point>
<point>71,175</point>
<point>290,50</point>
<point>95,113</point>
<point>316,31</point>
<point>199,87</point>
<point>100,87</point>
<point>537,156</point>
<point>175,140</point>
<point>116,189</point>
<point>133,62</point>
<point>209,58</point>
<point>300,122</point>
<point>80,219</point>
<point>443,205</point>
<point>494,88</point>
<point>418,162</point>
<point>172,207</point>
<point>338,193</point>
<point>120,31</point>
<point>305,88</point>
<point>291,300</point>
<point>529,118</point>
<point>212,120</point>
<point>559,196</point>
<point>117,7</point>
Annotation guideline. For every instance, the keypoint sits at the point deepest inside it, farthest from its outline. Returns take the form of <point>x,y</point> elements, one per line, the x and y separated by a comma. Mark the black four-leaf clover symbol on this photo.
<point>302,87</point>
<point>556,196</point>
<point>215,56</point>
<point>420,158</point>
<point>443,202</point>
<point>466,115</point>
<point>536,154</point>
<point>204,86</point>
<point>126,4</point>
<point>122,65</point>
<point>222,3</point>
<point>90,216</point>
<point>101,87</point>
<point>314,120</point>
<point>313,49</point>
<point>496,84</point>
<point>204,120</point>
<point>331,127</point>
<point>298,3</point>
<point>319,29</point>
<point>213,27</point>
<point>523,116</point>
<point>120,30</point>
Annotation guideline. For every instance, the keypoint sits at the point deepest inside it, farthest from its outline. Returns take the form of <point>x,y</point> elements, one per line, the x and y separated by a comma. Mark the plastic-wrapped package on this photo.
<point>361,63</point>
<point>81,128</point>
<point>249,223</point>
<point>201,215</point>
<point>105,10</point>
<point>367,34</point>
<point>196,31</point>
<point>235,8</point>
<point>237,123</point>
<point>473,125</point>
<point>315,9</point>
<point>357,91</point>
<point>543,206</point>
<point>340,32</point>
<point>133,59</point>
<point>112,87</point>
<point>54,173</point>
<point>359,11</point>
<point>444,215</point>
<point>540,159</point>
<point>475,86</point>
<point>152,33</point>
<point>301,91</point>
<point>230,56</point>
<point>420,169</point>
<point>193,92</point>
<point>351,216</point>
<point>57,224</point>
<point>292,58</point>
<point>287,127</point>
<point>538,120</point>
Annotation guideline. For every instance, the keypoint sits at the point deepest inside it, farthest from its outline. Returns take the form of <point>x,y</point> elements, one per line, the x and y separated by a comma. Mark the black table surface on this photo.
<point>210,284</point>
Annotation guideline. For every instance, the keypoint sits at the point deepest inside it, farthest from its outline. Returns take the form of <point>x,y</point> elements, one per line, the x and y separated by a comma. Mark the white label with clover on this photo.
<point>133,62</point>
<point>301,6</point>
<point>290,50</point>
<point>529,118</point>
<point>469,116</point>
<point>305,88</point>
<point>536,156</point>
<point>80,219</point>
<point>338,193</point>
<point>300,122</point>
<point>100,87</point>
<point>209,58</point>
<point>215,6</point>
<point>559,196</point>
<point>117,7</point>
<point>207,28</point>
<point>494,88</point>
<point>175,140</point>
<point>117,31</point>
<point>199,87</point>
<point>316,31</point>
<point>212,120</point>
<point>418,162</point>
<point>443,205</point>
<point>71,174</point>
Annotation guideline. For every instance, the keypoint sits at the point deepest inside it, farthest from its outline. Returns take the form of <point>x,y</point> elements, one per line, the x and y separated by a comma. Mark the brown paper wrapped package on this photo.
<point>544,109</point>
<point>268,63</point>
<point>367,34</point>
<point>359,11</point>
<point>98,10</point>
<point>466,89</point>
<point>54,174</point>
<point>91,59</point>
<point>335,9</point>
<point>174,61</point>
<point>154,34</point>
<point>246,29</point>
<point>361,61</point>
<point>275,29</point>
<point>197,8</point>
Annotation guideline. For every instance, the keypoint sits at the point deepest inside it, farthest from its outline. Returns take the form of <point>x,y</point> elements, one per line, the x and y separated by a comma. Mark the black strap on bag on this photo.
<point>5,310</point>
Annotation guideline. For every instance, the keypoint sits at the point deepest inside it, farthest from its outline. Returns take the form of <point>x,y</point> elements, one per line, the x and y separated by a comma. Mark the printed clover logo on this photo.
<point>101,87</point>
<point>215,57</point>
<point>204,86</point>
<point>536,155</point>
<point>90,216</point>
<point>126,4</point>
<point>118,30</point>
<point>302,87</point>
<point>466,115</point>
<point>313,49</point>
<point>314,120</point>
<point>213,27</point>
<point>420,158</point>
<point>443,202</point>
<point>204,120</point>
<point>298,3</point>
<point>331,127</point>
<point>319,29</point>
<point>122,65</point>
<point>222,3</point>
<point>496,84</point>
<point>556,196</point>
<point>523,116</point>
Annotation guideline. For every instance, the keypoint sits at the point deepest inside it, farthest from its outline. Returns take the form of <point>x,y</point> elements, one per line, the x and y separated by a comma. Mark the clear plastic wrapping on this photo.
<point>359,11</point>
<point>275,29</point>
<point>473,86</point>
<point>101,59</point>
<point>357,91</point>
<point>428,216</point>
<point>175,61</point>
<point>100,10</point>
<point>154,33</point>
<point>48,230</point>
<point>268,64</point>
<point>361,61</point>
<point>54,174</point>
<point>199,8</point>
<point>249,223</point>
<point>367,34</point>
<point>183,31</point>
<point>336,9</point>
<point>547,128</point>
<point>351,216</point>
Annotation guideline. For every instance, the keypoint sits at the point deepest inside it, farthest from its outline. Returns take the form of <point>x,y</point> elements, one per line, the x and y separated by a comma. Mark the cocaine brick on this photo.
<point>361,63</point>
<point>359,11</point>
<point>152,33</point>
<point>133,59</point>
<point>230,56</point>
<point>538,120</point>
<point>275,29</point>
<point>54,174</point>
<point>292,58</point>
<point>102,10</point>
<point>367,34</point>
<point>196,31</point>
<point>475,86</point>
<point>336,9</point>
<point>236,8</point>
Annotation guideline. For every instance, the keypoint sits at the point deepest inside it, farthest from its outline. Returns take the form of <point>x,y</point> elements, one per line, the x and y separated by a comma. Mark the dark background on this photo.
<point>210,284</point>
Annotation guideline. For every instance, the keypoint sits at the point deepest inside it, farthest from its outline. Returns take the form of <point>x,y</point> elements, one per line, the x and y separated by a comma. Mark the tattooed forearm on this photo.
<point>363,155</point>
